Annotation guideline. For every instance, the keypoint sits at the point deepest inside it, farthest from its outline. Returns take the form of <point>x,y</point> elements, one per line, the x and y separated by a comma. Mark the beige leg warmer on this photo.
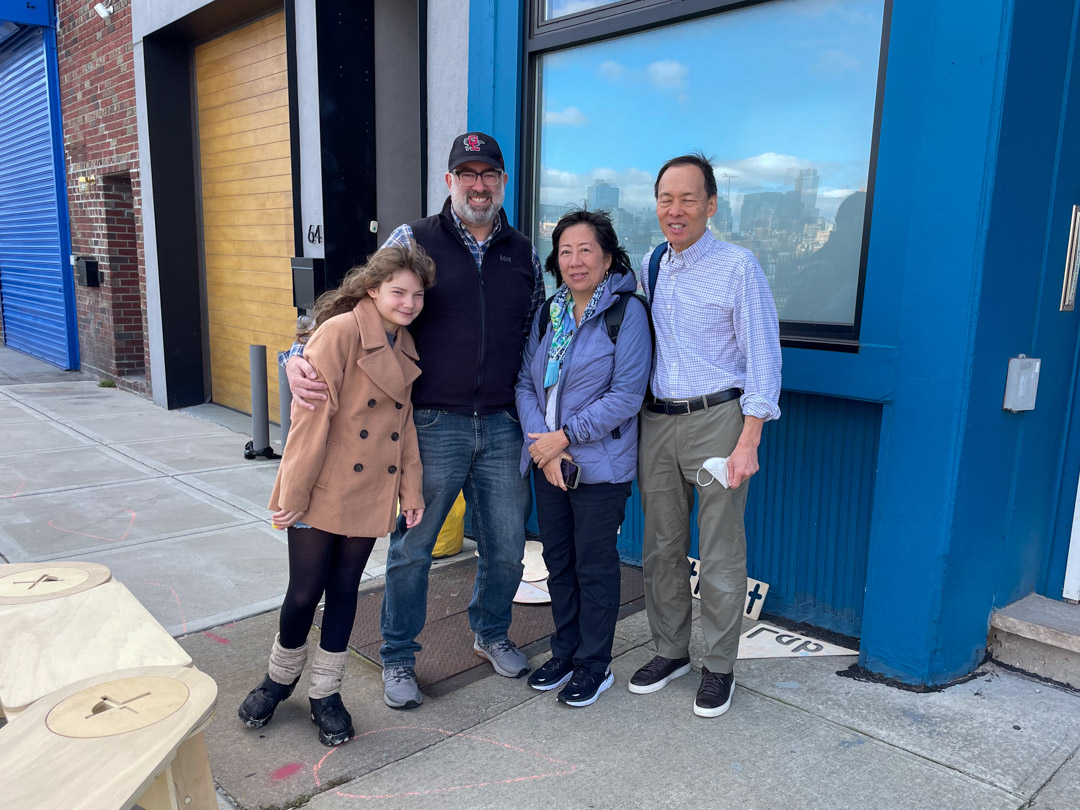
<point>327,672</point>
<point>286,665</point>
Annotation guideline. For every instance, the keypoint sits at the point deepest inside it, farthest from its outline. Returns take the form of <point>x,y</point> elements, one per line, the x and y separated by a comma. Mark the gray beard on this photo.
<point>472,216</point>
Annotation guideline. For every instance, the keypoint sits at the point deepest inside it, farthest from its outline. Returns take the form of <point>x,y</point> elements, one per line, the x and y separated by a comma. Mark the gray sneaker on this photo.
<point>507,659</point>
<point>399,687</point>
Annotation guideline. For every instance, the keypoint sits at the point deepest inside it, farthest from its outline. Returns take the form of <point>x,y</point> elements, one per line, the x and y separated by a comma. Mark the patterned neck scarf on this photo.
<point>563,326</point>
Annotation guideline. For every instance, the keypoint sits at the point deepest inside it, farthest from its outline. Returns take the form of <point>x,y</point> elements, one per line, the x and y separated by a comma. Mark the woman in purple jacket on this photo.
<point>578,398</point>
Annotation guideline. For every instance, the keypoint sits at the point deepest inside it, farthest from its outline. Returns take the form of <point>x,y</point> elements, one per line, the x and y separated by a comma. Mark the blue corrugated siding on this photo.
<point>808,515</point>
<point>35,284</point>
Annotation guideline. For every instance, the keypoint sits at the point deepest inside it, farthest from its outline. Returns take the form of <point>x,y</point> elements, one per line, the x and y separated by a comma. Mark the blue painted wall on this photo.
<point>1063,195</point>
<point>937,150</point>
<point>969,506</point>
<point>1010,464</point>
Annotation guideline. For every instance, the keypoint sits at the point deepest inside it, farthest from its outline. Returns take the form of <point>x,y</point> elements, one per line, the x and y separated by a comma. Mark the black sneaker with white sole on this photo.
<point>656,674</point>
<point>552,674</point>
<point>258,707</point>
<point>332,719</point>
<point>585,687</point>
<point>714,694</point>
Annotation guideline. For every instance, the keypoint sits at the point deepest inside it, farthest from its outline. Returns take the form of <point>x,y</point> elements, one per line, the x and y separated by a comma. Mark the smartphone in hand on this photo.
<point>571,473</point>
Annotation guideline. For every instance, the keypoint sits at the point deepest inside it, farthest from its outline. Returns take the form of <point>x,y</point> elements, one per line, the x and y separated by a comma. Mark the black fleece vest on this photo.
<point>470,332</point>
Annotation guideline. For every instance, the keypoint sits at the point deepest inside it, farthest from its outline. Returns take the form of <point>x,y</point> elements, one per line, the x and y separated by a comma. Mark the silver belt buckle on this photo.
<point>684,402</point>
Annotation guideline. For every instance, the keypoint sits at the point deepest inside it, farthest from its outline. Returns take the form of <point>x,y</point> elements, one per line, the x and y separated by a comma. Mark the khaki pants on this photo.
<point>671,452</point>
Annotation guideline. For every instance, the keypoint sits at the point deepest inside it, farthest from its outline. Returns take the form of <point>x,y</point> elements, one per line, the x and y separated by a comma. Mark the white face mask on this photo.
<point>717,471</point>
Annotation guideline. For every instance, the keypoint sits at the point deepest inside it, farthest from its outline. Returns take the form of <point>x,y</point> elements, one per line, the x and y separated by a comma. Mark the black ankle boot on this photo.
<point>258,707</point>
<point>333,719</point>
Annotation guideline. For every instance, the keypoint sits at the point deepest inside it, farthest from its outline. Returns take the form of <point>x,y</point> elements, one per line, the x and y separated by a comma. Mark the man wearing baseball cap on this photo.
<point>469,336</point>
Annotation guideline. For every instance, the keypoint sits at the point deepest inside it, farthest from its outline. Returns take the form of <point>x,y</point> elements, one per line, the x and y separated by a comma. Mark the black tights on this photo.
<point>320,561</point>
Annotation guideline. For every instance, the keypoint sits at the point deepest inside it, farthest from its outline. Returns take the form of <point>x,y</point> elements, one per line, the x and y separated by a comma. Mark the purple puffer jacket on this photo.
<point>601,390</point>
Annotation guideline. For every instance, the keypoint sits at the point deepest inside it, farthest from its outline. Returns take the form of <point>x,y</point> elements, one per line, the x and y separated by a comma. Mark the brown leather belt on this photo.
<point>692,404</point>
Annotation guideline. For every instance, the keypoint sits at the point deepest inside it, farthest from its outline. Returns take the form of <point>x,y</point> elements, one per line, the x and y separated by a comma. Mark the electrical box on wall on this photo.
<point>308,281</point>
<point>1021,384</point>
<point>86,271</point>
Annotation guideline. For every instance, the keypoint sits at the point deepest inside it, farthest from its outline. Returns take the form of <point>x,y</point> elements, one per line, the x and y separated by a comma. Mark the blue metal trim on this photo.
<point>28,12</point>
<point>868,375</point>
<point>1051,580</point>
<point>495,58</point>
<point>52,68</point>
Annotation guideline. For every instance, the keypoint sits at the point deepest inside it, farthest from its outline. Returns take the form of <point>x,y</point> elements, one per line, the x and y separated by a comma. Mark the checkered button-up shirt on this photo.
<point>716,326</point>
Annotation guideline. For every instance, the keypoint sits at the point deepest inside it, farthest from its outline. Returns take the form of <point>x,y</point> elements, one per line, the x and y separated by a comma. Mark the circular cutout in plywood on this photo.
<point>38,582</point>
<point>117,707</point>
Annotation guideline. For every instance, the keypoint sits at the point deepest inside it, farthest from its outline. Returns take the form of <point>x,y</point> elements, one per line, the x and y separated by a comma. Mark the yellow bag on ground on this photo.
<point>452,534</point>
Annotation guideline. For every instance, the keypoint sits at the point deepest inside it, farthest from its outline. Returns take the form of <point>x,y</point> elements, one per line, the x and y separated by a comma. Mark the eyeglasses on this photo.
<point>468,178</point>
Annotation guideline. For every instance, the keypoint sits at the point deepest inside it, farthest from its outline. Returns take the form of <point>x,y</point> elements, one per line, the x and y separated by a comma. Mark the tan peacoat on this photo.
<point>348,462</point>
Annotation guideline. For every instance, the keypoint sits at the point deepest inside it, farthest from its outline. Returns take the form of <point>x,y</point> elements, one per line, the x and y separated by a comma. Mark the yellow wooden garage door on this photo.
<point>243,102</point>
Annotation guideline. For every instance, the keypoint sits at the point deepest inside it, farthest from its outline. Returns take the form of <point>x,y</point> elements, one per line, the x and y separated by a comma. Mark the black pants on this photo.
<point>321,562</point>
<point>579,529</point>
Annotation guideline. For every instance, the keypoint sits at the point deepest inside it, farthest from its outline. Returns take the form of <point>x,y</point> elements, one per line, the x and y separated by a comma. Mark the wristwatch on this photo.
<point>569,436</point>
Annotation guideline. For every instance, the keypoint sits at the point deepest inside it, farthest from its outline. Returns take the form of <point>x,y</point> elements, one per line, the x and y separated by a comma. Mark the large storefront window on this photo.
<point>781,95</point>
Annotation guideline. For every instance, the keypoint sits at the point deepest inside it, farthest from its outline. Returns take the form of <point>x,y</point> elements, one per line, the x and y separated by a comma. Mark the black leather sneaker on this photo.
<point>551,675</point>
<point>333,719</point>
<point>258,707</point>
<point>714,694</point>
<point>585,687</point>
<point>656,674</point>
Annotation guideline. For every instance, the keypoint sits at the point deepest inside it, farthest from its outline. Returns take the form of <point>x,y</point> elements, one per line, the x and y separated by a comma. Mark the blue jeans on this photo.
<point>478,455</point>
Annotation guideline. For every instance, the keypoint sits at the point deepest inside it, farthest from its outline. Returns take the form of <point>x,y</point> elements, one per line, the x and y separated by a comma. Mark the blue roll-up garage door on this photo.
<point>36,287</point>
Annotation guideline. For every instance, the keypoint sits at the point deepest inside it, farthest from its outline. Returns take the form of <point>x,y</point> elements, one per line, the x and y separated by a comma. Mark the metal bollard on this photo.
<point>260,408</point>
<point>284,403</point>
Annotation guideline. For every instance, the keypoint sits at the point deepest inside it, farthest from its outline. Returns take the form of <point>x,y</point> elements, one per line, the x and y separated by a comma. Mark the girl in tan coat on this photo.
<point>345,468</point>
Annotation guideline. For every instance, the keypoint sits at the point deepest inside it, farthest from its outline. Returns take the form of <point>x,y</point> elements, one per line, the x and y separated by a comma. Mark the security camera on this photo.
<point>103,11</point>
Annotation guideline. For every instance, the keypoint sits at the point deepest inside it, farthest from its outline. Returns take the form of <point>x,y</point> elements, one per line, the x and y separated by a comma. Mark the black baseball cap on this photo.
<point>476,146</point>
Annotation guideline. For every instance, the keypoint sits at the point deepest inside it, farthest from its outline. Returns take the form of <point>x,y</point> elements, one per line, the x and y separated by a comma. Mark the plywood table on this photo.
<point>26,583</point>
<point>110,741</point>
<point>52,635</point>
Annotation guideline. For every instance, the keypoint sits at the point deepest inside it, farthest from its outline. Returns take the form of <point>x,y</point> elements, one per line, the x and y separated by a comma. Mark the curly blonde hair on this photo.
<point>380,267</point>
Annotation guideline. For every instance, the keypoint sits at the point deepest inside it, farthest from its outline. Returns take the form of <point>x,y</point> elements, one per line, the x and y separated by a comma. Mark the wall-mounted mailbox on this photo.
<point>86,271</point>
<point>308,281</point>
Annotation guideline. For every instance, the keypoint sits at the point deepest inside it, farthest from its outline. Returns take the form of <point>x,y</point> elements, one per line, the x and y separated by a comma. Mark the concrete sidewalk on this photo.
<point>164,499</point>
<point>168,502</point>
<point>797,736</point>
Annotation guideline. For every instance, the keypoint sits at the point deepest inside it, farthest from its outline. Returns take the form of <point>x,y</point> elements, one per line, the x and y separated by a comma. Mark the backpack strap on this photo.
<point>545,316</point>
<point>654,267</point>
<point>613,315</point>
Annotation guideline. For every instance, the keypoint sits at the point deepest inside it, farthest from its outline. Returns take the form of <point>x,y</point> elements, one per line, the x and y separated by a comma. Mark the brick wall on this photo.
<point>97,97</point>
